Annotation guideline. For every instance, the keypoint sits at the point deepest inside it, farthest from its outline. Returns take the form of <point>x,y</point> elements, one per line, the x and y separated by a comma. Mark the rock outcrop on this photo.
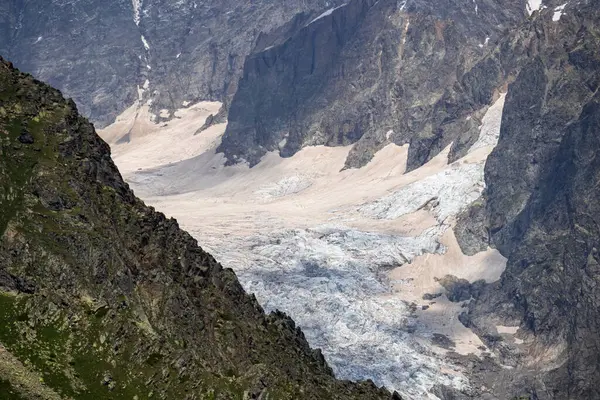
<point>100,52</point>
<point>102,297</point>
<point>368,73</point>
<point>541,210</point>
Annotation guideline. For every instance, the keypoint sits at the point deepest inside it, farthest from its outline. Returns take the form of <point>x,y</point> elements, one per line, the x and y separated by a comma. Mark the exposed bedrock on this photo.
<point>371,72</point>
<point>99,52</point>
<point>542,209</point>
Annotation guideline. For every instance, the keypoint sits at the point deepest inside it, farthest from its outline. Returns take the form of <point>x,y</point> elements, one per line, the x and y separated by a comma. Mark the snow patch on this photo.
<point>490,128</point>
<point>186,103</point>
<point>178,55</point>
<point>39,39</point>
<point>142,90</point>
<point>137,6</point>
<point>405,36</point>
<point>282,143</point>
<point>146,45</point>
<point>510,330</point>
<point>326,13</point>
<point>533,5</point>
<point>558,12</point>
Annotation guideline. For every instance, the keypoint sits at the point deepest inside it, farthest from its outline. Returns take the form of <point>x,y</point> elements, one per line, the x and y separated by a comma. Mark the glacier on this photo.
<point>347,254</point>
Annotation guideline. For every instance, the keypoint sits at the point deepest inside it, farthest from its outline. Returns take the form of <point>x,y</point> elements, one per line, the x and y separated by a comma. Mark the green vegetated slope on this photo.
<point>101,297</point>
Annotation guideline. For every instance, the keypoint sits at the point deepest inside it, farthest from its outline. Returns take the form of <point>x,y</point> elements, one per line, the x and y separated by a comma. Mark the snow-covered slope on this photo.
<point>348,254</point>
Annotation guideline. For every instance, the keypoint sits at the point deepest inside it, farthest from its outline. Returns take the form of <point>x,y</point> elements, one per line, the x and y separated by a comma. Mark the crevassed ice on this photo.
<point>335,274</point>
<point>284,187</point>
<point>453,189</point>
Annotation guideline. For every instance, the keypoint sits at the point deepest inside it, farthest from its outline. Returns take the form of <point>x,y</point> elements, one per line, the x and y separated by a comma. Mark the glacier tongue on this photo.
<point>348,254</point>
<point>332,279</point>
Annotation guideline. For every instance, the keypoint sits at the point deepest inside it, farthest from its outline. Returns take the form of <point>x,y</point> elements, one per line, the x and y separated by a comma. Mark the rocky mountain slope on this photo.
<point>370,73</point>
<point>103,297</point>
<point>408,97</point>
<point>541,205</point>
<point>100,52</point>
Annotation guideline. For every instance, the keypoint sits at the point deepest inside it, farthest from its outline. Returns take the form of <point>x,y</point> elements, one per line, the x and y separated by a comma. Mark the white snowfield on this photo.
<point>348,254</point>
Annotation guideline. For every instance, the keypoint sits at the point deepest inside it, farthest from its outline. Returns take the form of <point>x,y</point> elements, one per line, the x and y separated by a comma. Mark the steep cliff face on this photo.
<point>101,296</point>
<point>197,48</point>
<point>368,72</point>
<point>99,53</point>
<point>87,49</point>
<point>541,208</point>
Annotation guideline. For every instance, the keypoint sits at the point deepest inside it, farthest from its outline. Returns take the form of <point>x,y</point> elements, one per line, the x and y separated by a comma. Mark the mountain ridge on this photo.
<point>424,77</point>
<point>368,74</point>
<point>187,50</point>
<point>103,296</point>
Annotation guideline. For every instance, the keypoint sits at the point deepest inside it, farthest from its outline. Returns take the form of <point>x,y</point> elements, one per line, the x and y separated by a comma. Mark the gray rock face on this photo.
<point>368,73</point>
<point>197,48</point>
<point>460,289</point>
<point>94,52</point>
<point>542,204</point>
<point>471,229</point>
<point>87,49</point>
